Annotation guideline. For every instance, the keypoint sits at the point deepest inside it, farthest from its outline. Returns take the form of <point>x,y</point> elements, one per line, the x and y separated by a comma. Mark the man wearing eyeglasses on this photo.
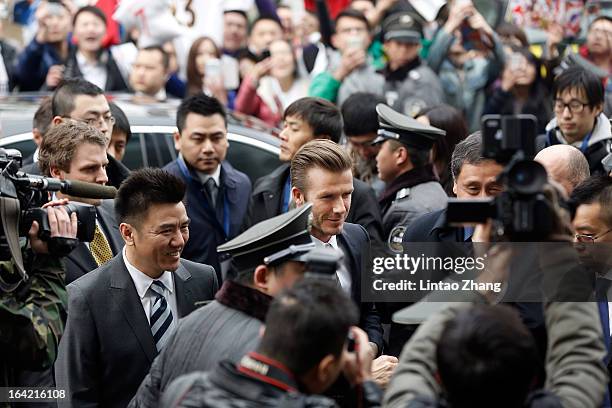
<point>79,100</point>
<point>593,226</point>
<point>579,120</point>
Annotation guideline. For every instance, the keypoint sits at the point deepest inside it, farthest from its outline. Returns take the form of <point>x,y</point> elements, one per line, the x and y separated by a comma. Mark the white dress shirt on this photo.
<point>343,274</point>
<point>147,297</point>
<point>94,73</point>
<point>216,176</point>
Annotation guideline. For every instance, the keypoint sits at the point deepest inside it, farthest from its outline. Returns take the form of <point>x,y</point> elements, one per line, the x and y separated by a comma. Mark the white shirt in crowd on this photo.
<point>94,73</point>
<point>343,274</point>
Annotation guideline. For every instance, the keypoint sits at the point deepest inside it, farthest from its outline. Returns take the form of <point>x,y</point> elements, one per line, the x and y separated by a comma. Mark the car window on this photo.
<point>158,151</point>
<point>133,154</point>
<point>26,147</point>
<point>251,160</point>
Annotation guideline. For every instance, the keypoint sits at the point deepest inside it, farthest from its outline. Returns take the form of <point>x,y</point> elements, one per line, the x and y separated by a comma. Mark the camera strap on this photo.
<point>9,215</point>
<point>268,371</point>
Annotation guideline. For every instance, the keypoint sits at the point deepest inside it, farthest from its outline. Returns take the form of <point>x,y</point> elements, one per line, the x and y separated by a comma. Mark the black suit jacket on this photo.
<point>267,198</point>
<point>107,347</point>
<point>80,261</point>
<point>355,244</point>
<point>431,228</point>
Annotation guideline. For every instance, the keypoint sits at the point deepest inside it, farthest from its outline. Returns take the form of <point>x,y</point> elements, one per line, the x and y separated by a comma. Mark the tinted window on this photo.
<point>133,155</point>
<point>251,160</point>
<point>158,151</point>
<point>26,147</point>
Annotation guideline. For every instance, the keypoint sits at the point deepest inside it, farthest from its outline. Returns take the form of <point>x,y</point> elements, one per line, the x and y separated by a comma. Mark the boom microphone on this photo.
<point>88,190</point>
<point>72,187</point>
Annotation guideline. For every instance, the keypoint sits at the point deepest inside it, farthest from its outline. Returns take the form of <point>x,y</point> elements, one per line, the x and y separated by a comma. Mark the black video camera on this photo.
<point>20,193</point>
<point>522,209</point>
<point>323,263</point>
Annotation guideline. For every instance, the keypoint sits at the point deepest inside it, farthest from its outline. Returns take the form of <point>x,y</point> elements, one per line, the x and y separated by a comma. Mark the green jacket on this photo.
<point>326,86</point>
<point>32,317</point>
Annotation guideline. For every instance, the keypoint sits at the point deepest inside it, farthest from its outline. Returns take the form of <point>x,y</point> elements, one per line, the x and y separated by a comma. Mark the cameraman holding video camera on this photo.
<point>33,310</point>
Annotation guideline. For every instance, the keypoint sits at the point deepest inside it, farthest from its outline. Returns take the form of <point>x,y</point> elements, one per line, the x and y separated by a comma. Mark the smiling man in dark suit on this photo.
<point>321,175</point>
<point>121,315</point>
<point>75,151</point>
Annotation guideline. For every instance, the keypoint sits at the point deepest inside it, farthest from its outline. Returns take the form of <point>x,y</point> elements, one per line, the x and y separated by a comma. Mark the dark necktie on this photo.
<point>211,189</point>
<point>161,316</point>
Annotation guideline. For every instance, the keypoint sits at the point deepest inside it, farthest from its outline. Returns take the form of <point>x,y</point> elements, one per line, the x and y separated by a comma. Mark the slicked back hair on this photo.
<point>144,188</point>
<point>323,154</point>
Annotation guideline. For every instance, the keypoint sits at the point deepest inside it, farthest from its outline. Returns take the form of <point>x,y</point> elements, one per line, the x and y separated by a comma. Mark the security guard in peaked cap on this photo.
<point>404,129</point>
<point>402,27</point>
<point>403,163</point>
<point>285,237</point>
<point>410,84</point>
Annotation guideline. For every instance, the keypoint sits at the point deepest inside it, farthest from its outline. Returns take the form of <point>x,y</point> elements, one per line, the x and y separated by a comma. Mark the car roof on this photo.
<point>17,111</point>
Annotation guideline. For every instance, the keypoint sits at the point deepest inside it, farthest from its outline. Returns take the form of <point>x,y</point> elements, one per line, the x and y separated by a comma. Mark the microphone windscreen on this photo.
<point>88,190</point>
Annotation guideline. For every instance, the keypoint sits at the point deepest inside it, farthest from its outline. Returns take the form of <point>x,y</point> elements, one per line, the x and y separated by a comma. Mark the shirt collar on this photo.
<point>159,96</point>
<point>215,176</point>
<point>142,281</point>
<point>332,241</point>
<point>82,61</point>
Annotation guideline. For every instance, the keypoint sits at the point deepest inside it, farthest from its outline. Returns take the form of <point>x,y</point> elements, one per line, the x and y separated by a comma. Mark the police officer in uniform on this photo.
<point>410,85</point>
<point>403,163</point>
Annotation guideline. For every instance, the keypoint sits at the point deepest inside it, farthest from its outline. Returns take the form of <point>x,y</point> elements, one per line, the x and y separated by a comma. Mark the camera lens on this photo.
<point>527,177</point>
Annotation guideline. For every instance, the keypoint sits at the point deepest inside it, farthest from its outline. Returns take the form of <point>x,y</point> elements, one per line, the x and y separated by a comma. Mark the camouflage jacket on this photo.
<point>32,317</point>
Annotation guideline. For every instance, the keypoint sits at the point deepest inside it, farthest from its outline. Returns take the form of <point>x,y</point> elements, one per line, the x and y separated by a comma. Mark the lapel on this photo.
<point>185,300</point>
<point>196,190</point>
<point>125,296</point>
<point>83,258</point>
<point>349,246</point>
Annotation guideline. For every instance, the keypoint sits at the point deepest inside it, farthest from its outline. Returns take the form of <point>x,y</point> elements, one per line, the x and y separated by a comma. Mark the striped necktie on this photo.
<point>161,316</point>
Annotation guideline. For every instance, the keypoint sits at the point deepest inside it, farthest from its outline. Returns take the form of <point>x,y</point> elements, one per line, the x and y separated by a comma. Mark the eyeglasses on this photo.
<point>590,237</point>
<point>574,106</point>
<point>94,122</point>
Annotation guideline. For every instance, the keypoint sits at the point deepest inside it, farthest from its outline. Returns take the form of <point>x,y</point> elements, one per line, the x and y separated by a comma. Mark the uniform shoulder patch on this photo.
<point>395,239</point>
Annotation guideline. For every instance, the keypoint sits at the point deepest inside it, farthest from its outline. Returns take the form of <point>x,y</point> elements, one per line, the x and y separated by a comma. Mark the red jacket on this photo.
<point>248,102</point>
